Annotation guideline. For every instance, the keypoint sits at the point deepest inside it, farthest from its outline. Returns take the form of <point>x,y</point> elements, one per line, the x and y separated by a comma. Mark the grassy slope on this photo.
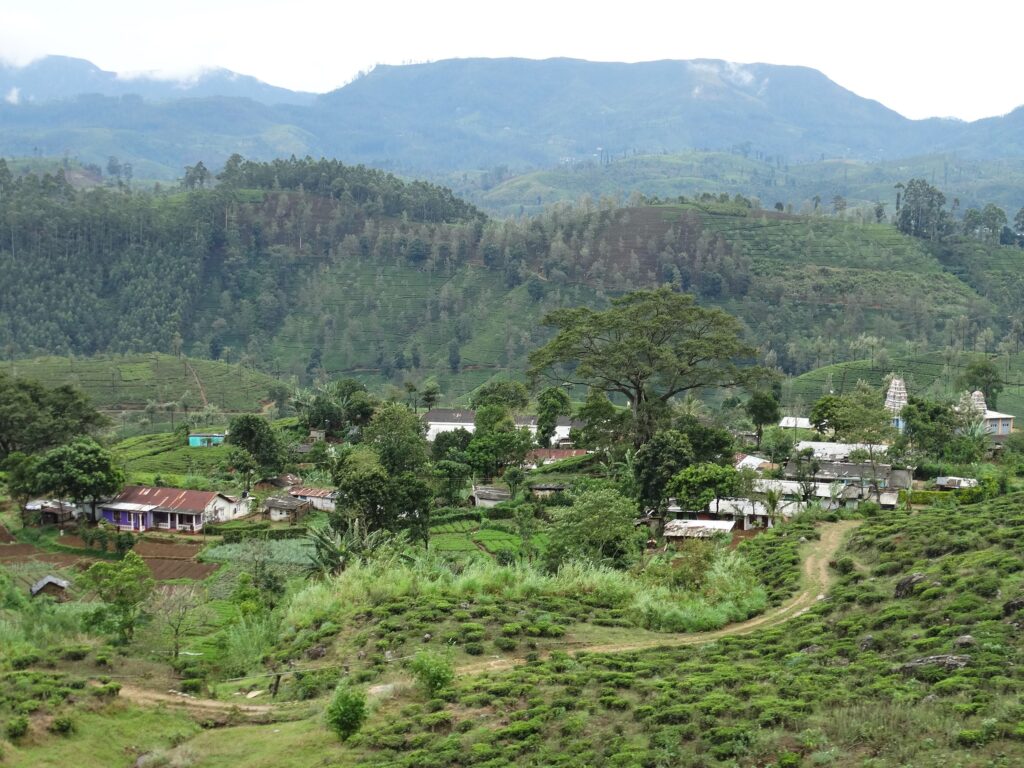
<point>130,381</point>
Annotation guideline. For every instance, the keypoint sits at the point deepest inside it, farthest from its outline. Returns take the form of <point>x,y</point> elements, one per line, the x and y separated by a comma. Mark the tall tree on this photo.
<point>982,374</point>
<point>124,586</point>
<point>763,408</point>
<point>509,394</point>
<point>697,486</point>
<point>396,434</point>
<point>82,471</point>
<point>649,346</point>
<point>551,403</point>
<point>256,436</point>
<point>597,527</point>
<point>656,463</point>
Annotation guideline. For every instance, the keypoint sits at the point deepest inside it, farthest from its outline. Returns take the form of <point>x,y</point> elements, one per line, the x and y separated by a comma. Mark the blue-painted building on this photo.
<point>205,439</point>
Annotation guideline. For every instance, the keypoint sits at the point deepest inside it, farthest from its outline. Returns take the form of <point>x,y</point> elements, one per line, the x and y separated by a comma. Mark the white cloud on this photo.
<point>13,96</point>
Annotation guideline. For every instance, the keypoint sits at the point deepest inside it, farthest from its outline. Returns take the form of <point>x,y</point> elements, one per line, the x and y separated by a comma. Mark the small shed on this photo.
<point>205,439</point>
<point>320,498</point>
<point>954,483</point>
<point>52,511</point>
<point>678,530</point>
<point>488,496</point>
<point>285,509</point>
<point>51,586</point>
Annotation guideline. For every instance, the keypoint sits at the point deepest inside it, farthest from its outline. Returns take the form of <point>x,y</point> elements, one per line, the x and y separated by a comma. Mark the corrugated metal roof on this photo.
<point>62,583</point>
<point>176,499</point>
<point>317,493</point>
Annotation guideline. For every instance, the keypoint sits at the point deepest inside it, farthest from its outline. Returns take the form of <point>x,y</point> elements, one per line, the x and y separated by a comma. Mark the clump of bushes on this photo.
<point>347,710</point>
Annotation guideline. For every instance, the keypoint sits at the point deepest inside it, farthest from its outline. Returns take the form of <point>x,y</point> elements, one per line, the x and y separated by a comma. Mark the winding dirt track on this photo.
<point>816,579</point>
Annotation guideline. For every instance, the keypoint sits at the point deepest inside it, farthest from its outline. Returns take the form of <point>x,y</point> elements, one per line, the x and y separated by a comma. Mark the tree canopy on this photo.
<point>648,347</point>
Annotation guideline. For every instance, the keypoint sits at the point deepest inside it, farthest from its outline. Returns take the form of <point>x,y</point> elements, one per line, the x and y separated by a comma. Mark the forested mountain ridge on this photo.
<point>472,114</point>
<point>312,268</point>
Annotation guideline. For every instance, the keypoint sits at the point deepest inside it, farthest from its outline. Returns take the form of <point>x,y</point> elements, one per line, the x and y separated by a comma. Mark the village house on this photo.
<point>746,513</point>
<point>51,586</point>
<point>488,496</point>
<point>319,498</point>
<point>51,511</point>
<point>205,439</point>
<point>285,509</point>
<point>677,531</point>
<point>141,508</point>
<point>838,452</point>
<point>749,461</point>
<point>830,496</point>
<point>440,420</point>
<point>998,425</point>
<point>547,490</point>
<point>950,483</point>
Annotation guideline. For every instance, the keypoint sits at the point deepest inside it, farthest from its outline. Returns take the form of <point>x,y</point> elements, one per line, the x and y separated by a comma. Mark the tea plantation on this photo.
<point>914,659</point>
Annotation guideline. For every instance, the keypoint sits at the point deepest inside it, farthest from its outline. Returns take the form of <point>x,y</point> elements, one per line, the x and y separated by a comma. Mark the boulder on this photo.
<point>1011,607</point>
<point>811,649</point>
<point>869,643</point>
<point>964,641</point>
<point>316,652</point>
<point>948,662</point>
<point>905,587</point>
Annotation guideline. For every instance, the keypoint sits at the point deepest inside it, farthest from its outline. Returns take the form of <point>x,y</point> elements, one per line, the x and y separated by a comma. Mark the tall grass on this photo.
<point>733,595</point>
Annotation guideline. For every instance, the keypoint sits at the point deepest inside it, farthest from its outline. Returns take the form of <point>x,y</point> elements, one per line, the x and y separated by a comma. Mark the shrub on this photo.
<point>432,671</point>
<point>16,727</point>
<point>346,711</point>
<point>505,644</point>
<point>62,724</point>
<point>475,649</point>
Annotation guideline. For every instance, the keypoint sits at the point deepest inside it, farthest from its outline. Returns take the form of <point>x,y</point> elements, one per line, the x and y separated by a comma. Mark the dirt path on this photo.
<point>816,580</point>
<point>199,383</point>
<point>149,697</point>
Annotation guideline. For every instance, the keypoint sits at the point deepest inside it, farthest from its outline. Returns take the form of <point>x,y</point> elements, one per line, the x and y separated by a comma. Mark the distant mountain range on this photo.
<point>464,114</point>
<point>61,77</point>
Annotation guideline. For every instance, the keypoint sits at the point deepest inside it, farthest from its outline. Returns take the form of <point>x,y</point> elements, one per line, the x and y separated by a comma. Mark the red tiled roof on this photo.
<point>176,499</point>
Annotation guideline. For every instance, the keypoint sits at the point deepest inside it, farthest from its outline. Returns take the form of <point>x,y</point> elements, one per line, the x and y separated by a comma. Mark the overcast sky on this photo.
<point>921,59</point>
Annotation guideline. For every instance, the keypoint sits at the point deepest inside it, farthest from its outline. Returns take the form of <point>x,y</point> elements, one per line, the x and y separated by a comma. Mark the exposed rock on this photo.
<point>1011,607</point>
<point>811,649</point>
<point>905,587</point>
<point>254,694</point>
<point>869,643</point>
<point>964,641</point>
<point>316,652</point>
<point>948,662</point>
<point>427,637</point>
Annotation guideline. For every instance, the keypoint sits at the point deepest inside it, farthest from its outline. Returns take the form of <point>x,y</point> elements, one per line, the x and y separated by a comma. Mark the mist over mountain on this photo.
<point>52,78</point>
<point>461,114</point>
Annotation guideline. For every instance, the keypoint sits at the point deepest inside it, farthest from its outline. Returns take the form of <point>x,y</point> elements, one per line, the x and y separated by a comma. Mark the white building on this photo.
<point>838,451</point>
<point>320,498</point>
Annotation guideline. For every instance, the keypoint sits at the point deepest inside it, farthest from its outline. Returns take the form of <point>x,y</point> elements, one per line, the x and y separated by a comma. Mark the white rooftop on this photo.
<point>698,529</point>
<point>795,422</point>
<point>837,451</point>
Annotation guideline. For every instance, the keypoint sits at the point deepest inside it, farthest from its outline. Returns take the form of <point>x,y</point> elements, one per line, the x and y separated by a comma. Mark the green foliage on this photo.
<point>598,527</point>
<point>34,418</point>
<point>657,462</point>
<point>256,436</point>
<point>80,470</point>
<point>124,586</point>
<point>648,347</point>
<point>347,710</point>
<point>511,395</point>
<point>396,434</point>
<point>552,402</point>
<point>695,487</point>
<point>982,374</point>
<point>433,672</point>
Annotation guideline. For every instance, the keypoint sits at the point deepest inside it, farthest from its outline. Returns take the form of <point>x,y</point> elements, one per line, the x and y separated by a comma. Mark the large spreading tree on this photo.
<point>649,346</point>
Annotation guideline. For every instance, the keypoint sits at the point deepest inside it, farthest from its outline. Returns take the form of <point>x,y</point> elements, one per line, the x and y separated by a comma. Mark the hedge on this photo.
<point>454,515</point>
<point>255,531</point>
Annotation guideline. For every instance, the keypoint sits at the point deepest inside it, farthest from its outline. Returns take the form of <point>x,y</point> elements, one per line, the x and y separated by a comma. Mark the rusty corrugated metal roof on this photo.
<point>177,499</point>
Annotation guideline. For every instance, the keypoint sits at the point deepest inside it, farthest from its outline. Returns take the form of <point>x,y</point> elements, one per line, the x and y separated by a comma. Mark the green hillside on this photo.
<point>311,269</point>
<point>935,375</point>
<point>860,183</point>
<point>131,382</point>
